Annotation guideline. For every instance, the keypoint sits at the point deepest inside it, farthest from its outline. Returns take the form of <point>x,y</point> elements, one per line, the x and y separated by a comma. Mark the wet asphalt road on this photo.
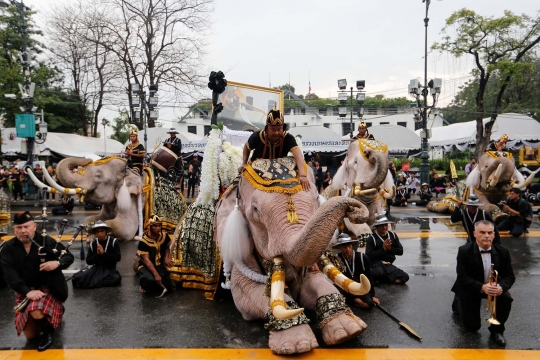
<point>123,318</point>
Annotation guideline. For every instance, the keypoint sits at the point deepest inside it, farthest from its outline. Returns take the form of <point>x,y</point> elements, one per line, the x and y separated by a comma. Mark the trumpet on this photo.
<point>492,300</point>
<point>22,305</point>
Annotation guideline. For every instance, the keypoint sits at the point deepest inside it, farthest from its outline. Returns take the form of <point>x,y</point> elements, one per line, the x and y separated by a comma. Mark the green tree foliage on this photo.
<point>498,46</point>
<point>286,87</point>
<point>521,96</point>
<point>57,105</point>
<point>121,126</point>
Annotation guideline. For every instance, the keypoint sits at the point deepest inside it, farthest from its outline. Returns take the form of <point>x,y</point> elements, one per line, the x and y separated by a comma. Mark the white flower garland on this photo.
<point>209,188</point>
<point>229,161</point>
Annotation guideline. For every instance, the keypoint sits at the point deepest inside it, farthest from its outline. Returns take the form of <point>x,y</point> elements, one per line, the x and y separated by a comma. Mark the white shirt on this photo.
<point>486,260</point>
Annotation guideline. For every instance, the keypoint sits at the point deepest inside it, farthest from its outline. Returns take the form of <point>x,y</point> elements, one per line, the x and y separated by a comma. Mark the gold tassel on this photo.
<point>292,217</point>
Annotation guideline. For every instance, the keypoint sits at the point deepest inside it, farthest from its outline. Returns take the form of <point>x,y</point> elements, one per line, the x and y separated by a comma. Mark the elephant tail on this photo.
<point>235,245</point>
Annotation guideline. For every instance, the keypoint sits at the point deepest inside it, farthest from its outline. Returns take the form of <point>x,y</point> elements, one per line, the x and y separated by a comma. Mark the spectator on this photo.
<point>327,179</point>
<point>412,183</point>
<point>401,180</point>
<point>437,185</point>
<point>16,184</point>
<point>319,177</point>
<point>470,167</point>
<point>192,180</point>
<point>68,203</point>
<point>518,210</point>
<point>401,196</point>
<point>425,195</point>
<point>393,171</point>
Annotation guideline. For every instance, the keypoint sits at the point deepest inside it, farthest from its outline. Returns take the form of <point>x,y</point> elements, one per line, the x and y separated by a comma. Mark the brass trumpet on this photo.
<point>22,305</point>
<point>492,300</point>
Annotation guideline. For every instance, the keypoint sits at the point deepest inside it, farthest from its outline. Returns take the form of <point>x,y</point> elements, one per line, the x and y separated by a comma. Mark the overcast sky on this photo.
<point>319,41</point>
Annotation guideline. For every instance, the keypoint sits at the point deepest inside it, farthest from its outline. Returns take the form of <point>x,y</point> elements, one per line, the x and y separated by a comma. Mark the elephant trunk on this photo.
<point>65,175</point>
<point>380,161</point>
<point>306,248</point>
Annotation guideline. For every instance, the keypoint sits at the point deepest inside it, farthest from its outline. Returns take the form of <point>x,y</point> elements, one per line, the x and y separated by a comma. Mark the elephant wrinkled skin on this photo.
<point>301,244</point>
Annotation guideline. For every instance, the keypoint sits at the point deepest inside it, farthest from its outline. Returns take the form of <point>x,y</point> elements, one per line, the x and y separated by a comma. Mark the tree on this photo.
<point>46,76</point>
<point>121,127</point>
<point>498,46</point>
<point>311,96</point>
<point>286,87</point>
<point>159,42</point>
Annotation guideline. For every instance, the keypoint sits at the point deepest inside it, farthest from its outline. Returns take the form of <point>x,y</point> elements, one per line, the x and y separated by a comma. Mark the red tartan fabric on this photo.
<point>49,305</point>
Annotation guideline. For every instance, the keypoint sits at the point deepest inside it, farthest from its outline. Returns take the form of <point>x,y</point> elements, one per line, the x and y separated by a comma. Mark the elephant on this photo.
<point>121,192</point>
<point>365,172</point>
<point>264,223</point>
<point>493,178</point>
<point>448,204</point>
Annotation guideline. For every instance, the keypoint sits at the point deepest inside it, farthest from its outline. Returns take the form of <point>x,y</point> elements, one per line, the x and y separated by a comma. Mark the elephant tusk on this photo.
<point>494,177</point>
<point>38,183</point>
<point>350,286</point>
<point>277,289</point>
<point>364,192</point>
<point>388,194</point>
<point>61,189</point>
<point>527,181</point>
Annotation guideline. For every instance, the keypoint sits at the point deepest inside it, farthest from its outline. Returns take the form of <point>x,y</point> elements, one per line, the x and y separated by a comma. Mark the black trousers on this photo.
<point>387,273</point>
<point>468,308</point>
<point>148,282</point>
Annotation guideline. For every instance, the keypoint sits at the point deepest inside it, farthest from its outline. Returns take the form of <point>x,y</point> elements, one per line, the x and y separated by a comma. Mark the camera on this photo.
<point>500,204</point>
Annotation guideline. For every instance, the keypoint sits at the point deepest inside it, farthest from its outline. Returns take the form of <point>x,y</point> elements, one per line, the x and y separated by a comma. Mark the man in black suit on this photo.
<point>474,261</point>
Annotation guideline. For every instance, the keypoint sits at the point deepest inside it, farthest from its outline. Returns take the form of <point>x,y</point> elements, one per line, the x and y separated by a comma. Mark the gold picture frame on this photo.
<point>245,106</point>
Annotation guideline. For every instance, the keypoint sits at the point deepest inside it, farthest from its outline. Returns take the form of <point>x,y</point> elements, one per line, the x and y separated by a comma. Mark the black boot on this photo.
<point>46,338</point>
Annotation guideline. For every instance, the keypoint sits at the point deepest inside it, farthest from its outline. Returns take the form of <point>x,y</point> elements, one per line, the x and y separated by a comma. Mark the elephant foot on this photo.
<point>342,328</point>
<point>294,340</point>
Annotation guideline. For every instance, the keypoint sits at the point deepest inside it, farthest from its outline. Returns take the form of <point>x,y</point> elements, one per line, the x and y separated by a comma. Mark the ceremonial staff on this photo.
<point>402,324</point>
<point>454,177</point>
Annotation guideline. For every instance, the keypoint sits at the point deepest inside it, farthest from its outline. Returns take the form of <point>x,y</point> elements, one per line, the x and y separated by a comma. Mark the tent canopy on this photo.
<point>519,128</point>
<point>62,144</point>
<point>398,138</point>
<point>156,136</point>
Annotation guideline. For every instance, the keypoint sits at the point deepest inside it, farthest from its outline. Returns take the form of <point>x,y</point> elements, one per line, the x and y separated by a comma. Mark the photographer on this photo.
<point>517,208</point>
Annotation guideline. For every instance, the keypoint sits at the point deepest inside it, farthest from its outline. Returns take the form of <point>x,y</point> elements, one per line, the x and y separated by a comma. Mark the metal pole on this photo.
<point>352,128</point>
<point>424,166</point>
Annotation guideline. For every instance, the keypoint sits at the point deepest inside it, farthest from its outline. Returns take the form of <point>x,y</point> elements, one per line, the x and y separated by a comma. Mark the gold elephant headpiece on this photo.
<point>134,132</point>
<point>275,117</point>
<point>362,124</point>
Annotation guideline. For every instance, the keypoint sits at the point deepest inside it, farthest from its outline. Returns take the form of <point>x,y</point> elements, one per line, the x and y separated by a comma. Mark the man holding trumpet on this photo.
<point>484,270</point>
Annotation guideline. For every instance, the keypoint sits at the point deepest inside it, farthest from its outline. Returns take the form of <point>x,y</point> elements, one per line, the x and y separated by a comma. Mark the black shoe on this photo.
<point>498,338</point>
<point>46,338</point>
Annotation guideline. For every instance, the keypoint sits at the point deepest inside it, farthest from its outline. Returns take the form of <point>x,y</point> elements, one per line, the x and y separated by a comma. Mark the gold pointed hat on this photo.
<point>275,117</point>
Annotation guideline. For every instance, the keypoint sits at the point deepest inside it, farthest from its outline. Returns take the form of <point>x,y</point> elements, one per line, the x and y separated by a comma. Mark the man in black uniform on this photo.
<point>274,142</point>
<point>103,255</point>
<point>470,215</point>
<point>474,261</point>
<point>173,143</point>
<point>68,203</point>
<point>382,246</point>
<point>517,209</point>
<point>363,132</point>
<point>135,152</point>
<point>33,267</point>
<point>356,264</point>
<point>155,257</point>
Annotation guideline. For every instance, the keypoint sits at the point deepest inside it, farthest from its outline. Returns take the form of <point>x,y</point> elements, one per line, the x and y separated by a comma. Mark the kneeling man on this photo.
<point>474,261</point>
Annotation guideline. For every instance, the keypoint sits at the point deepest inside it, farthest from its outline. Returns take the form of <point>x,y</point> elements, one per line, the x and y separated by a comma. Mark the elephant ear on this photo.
<point>340,178</point>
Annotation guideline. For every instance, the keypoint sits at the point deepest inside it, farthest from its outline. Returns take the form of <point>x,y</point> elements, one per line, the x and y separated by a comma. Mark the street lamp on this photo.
<point>421,113</point>
<point>150,113</point>
<point>104,122</point>
<point>360,98</point>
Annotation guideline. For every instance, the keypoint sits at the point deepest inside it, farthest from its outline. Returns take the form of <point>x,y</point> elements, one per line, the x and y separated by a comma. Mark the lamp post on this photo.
<point>150,113</point>
<point>416,90</point>
<point>360,98</point>
<point>104,122</point>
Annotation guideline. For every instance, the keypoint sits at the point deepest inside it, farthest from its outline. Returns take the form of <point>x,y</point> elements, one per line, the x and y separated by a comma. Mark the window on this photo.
<point>304,123</point>
<point>207,129</point>
<point>293,125</point>
<point>326,125</point>
<point>192,129</point>
<point>368,124</point>
<point>402,123</point>
<point>384,123</point>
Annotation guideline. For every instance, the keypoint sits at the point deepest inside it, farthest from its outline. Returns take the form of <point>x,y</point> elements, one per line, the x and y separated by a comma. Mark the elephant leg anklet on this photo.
<point>331,306</point>
<point>275,324</point>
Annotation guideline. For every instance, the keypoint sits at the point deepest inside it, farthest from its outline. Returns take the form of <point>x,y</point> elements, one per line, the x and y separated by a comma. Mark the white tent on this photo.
<point>156,136</point>
<point>319,139</point>
<point>521,130</point>
<point>62,144</point>
<point>398,138</point>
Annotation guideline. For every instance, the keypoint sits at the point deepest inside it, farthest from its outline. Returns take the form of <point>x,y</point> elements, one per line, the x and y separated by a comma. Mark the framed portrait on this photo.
<point>245,107</point>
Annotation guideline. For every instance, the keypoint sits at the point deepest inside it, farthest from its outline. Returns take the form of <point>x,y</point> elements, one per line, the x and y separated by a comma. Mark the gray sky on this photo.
<point>319,41</point>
